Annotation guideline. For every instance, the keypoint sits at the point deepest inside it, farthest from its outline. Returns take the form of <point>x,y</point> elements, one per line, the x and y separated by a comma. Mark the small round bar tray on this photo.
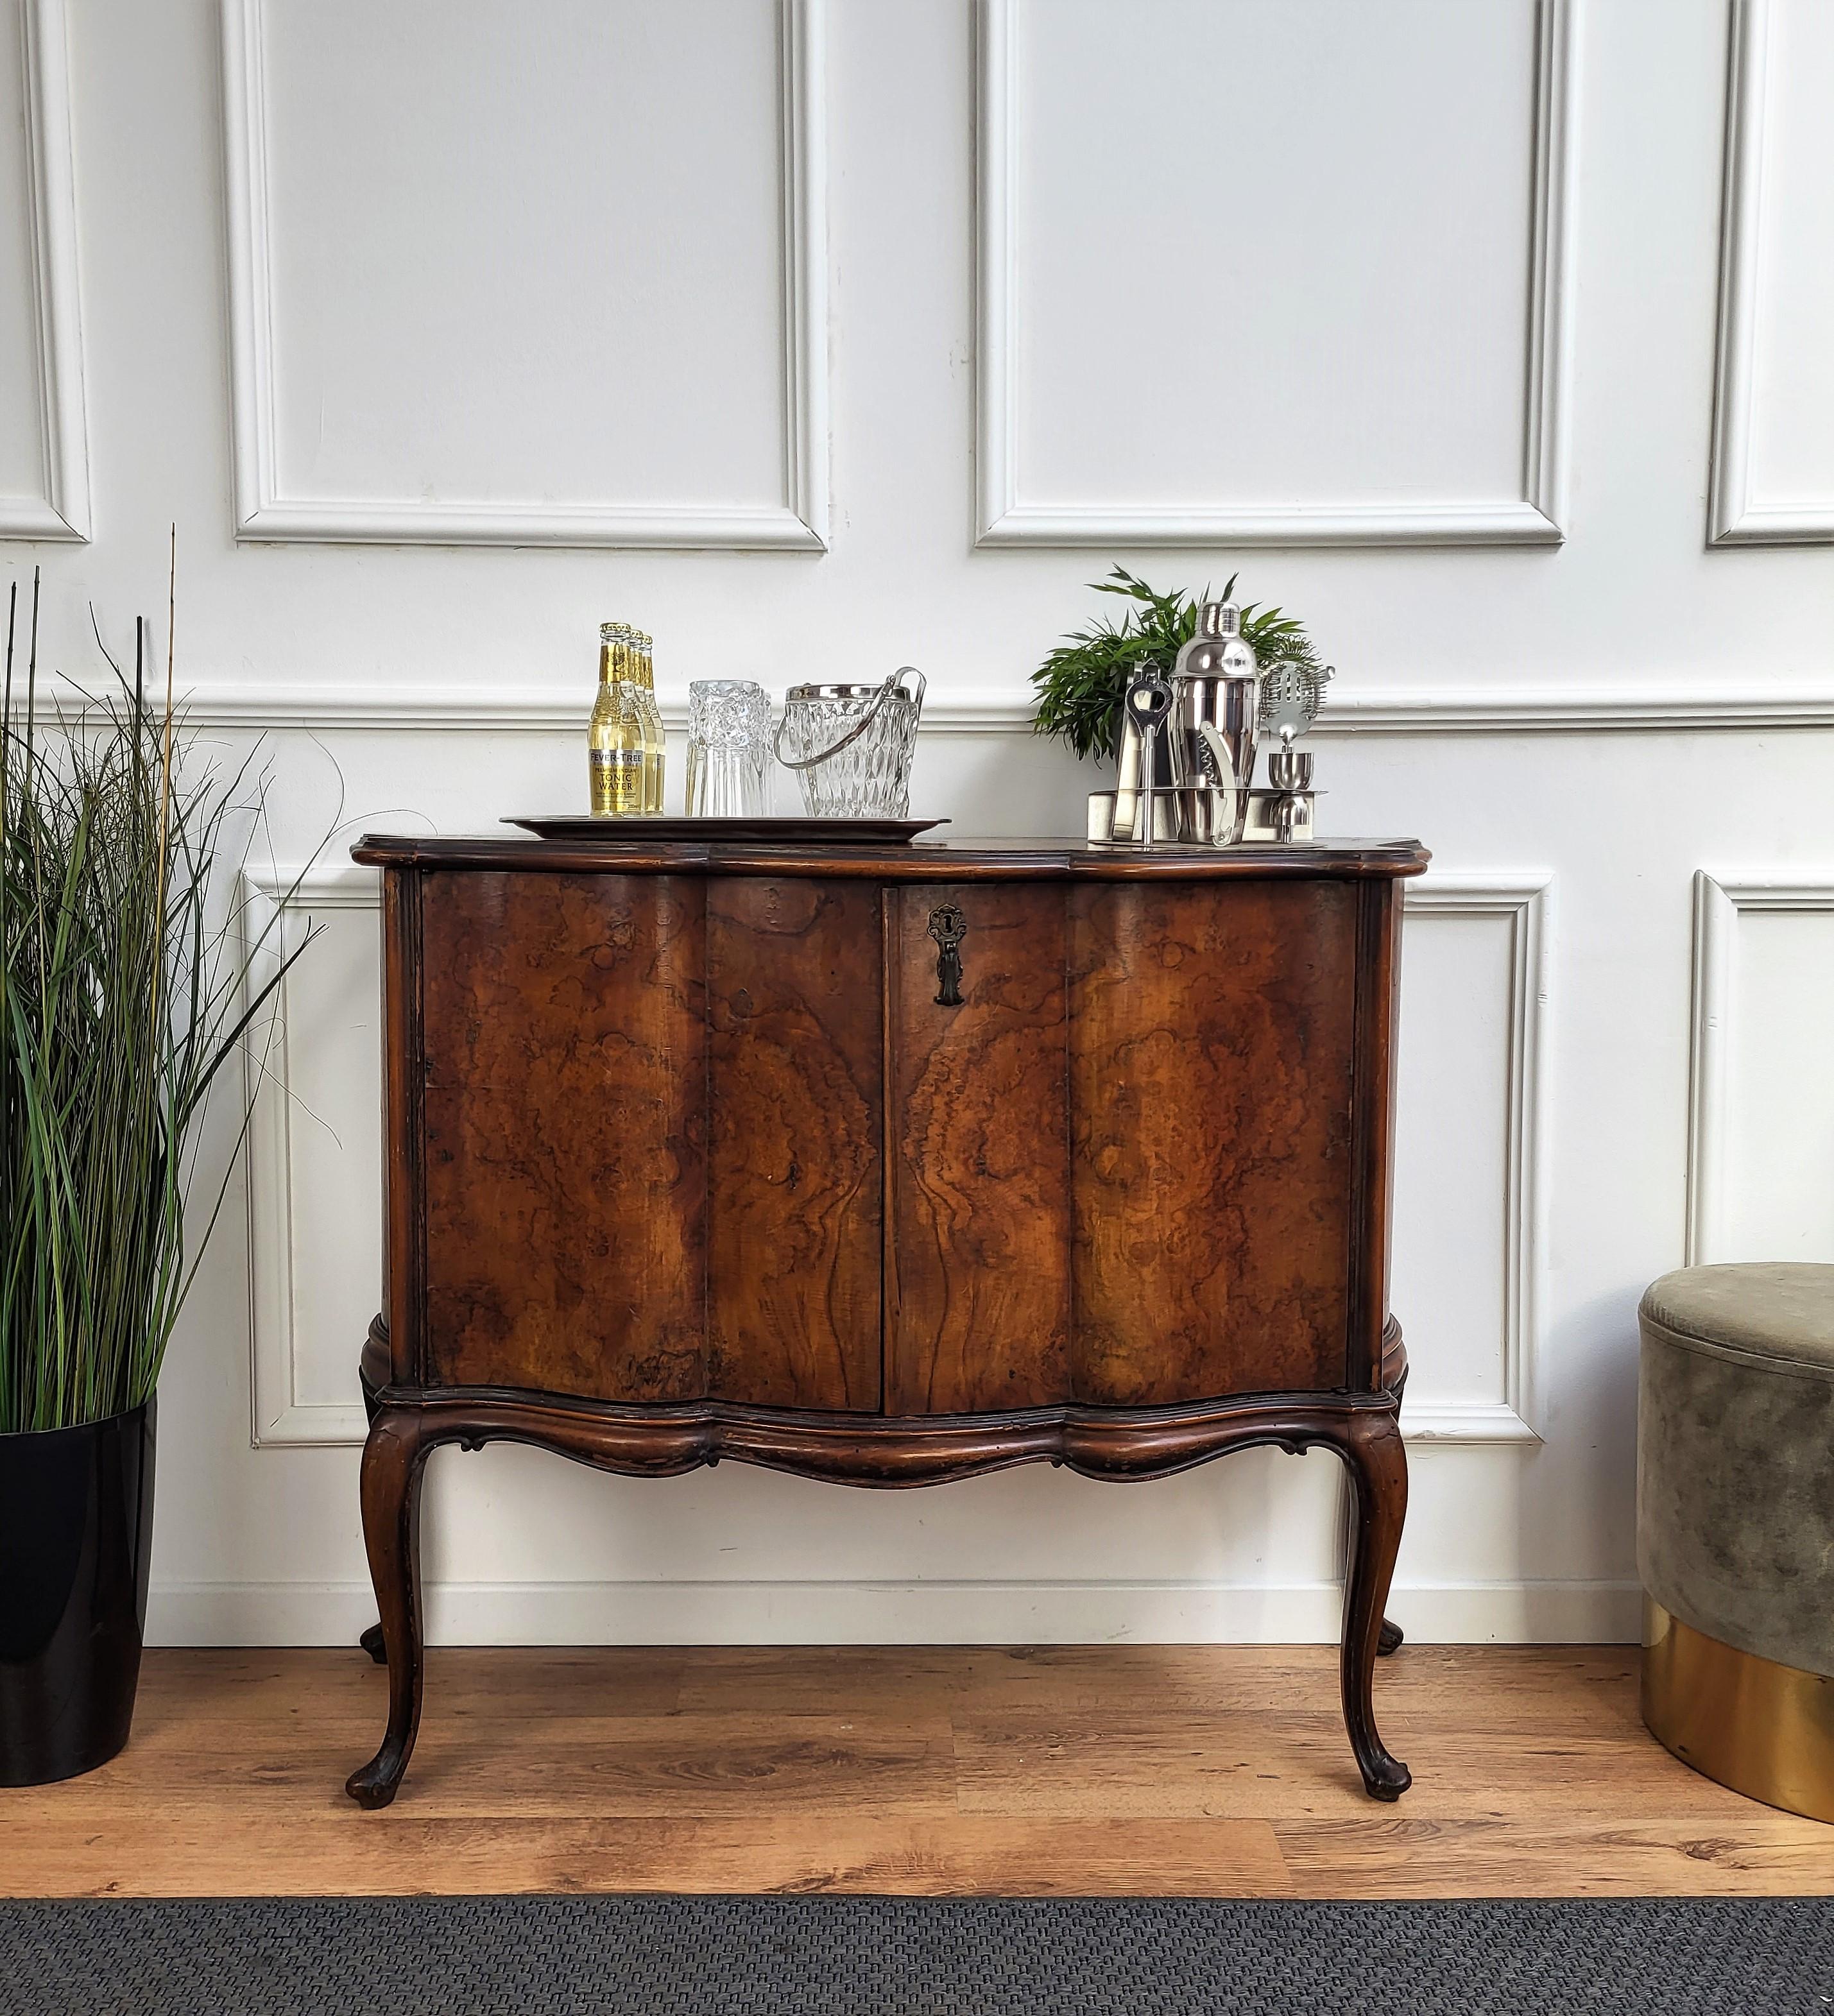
<point>609,829</point>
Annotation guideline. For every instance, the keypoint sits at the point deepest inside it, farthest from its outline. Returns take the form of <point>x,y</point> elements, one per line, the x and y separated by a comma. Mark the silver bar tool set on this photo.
<point>1187,754</point>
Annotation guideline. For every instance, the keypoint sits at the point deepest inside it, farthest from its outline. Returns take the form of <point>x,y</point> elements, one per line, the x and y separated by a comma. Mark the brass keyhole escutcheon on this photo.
<point>947,926</point>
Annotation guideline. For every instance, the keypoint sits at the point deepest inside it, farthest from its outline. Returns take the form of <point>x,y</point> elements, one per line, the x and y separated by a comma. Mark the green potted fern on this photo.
<point>1082,685</point>
<point>127,991</point>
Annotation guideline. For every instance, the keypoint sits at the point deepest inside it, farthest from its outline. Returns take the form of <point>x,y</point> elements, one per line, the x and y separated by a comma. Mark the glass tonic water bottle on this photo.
<point>615,746</point>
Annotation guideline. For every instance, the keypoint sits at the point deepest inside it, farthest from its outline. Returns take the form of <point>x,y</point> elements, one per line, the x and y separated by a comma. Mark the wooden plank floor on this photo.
<point>1136,1769</point>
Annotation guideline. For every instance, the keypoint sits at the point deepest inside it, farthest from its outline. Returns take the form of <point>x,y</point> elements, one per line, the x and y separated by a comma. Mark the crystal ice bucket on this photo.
<point>851,745</point>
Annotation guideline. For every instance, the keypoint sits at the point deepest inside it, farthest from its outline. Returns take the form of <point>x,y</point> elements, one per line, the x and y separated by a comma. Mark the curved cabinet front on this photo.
<point>1213,1065</point>
<point>712,1136</point>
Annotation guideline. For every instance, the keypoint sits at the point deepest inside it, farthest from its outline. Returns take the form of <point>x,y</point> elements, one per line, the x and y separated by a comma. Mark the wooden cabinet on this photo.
<point>1212,1072</point>
<point>978,1294</point>
<point>795,1121</point>
<point>565,1059</point>
<point>698,1151</point>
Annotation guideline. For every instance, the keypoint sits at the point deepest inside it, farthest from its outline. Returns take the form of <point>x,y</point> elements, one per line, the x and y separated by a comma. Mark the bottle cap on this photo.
<point>610,633</point>
<point>1220,619</point>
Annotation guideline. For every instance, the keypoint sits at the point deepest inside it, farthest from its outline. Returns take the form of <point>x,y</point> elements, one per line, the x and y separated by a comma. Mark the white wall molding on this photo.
<point>63,511</point>
<point>1522,902</point>
<point>510,708</point>
<point>931,1612</point>
<point>1715,918</point>
<point>1538,517</point>
<point>279,1417</point>
<point>1648,709</point>
<point>799,523</point>
<point>1718,900</point>
<point>1734,516</point>
<point>1746,51</point>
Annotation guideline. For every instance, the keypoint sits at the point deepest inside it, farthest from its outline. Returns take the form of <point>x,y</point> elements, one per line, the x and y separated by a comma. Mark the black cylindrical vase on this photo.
<point>75,1542</point>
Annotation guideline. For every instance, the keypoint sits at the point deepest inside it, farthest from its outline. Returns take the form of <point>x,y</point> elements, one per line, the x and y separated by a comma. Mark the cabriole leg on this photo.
<point>1372,1449</point>
<point>371,1641</point>
<point>1392,1639</point>
<point>394,1457</point>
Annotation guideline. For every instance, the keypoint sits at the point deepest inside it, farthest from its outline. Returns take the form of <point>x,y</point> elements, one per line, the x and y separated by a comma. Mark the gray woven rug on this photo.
<point>890,1956</point>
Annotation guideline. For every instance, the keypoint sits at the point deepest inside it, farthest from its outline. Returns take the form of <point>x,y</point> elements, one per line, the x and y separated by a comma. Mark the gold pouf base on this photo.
<point>1763,1730</point>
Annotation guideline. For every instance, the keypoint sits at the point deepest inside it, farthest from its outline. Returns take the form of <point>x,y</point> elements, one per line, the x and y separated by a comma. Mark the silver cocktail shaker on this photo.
<point>1216,692</point>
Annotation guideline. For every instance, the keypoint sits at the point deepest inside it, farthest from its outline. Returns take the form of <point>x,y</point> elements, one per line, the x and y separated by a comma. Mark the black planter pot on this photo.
<point>76,1541</point>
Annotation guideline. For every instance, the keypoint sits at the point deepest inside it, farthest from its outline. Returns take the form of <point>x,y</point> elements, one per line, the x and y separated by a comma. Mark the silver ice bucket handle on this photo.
<point>894,685</point>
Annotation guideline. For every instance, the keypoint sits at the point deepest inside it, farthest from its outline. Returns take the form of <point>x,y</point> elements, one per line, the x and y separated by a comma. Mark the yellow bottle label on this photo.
<point>617,781</point>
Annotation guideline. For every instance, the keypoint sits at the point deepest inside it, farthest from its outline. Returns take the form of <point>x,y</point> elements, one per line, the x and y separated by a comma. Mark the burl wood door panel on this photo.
<point>1211,1055</point>
<point>795,1231</point>
<point>978,1280</point>
<point>564,1039</point>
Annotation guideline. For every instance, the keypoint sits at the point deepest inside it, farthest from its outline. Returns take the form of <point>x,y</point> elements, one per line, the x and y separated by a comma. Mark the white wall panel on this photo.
<point>315,1153</point>
<point>1468,1210</point>
<point>1470,1088</point>
<point>552,274</point>
<point>44,448</point>
<point>1773,439</point>
<point>1761,1166</point>
<point>1273,275</point>
<point>22,467</point>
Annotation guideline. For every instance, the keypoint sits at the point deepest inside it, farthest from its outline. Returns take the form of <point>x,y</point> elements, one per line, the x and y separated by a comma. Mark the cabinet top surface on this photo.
<point>937,860</point>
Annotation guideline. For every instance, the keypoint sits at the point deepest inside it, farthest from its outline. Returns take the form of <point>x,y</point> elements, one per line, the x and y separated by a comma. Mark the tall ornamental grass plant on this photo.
<point>128,985</point>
